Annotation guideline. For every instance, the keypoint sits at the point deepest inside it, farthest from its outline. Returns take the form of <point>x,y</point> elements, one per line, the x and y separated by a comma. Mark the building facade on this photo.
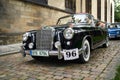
<point>19,16</point>
<point>101,9</point>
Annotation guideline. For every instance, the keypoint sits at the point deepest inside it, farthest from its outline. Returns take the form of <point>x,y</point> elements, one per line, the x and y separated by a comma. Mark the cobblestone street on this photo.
<point>101,66</point>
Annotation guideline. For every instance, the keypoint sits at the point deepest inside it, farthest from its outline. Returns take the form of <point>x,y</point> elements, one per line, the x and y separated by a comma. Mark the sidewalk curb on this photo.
<point>10,49</point>
<point>8,53</point>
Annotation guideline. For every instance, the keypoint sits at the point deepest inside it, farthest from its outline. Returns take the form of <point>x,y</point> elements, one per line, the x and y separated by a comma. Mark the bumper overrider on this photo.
<point>60,53</point>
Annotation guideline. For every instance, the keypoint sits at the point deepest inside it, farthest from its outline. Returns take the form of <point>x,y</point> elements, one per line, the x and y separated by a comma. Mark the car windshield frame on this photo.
<point>76,18</point>
<point>114,26</point>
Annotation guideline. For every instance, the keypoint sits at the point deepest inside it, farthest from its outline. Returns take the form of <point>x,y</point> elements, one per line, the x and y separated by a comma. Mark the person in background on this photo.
<point>101,24</point>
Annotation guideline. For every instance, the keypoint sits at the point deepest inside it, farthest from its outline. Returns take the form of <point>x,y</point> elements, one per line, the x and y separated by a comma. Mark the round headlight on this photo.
<point>68,33</point>
<point>25,36</point>
<point>117,32</point>
<point>31,45</point>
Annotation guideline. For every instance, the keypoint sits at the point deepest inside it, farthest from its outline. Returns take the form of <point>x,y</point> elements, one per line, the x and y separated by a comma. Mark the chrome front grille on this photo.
<point>44,39</point>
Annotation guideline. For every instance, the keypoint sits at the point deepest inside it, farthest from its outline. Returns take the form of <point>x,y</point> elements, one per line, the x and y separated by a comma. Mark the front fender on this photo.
<point>89,38</point>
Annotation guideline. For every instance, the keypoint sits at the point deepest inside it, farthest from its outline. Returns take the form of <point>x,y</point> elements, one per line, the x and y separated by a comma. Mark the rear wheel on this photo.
<point>85,56</point>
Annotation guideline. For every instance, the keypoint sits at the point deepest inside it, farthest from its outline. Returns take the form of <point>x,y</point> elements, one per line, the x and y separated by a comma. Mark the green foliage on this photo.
<point>117,10</point>
<point>117,77</point>
<point>117,16</point>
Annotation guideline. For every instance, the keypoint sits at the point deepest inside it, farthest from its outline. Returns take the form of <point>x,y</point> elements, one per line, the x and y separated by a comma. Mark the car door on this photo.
<point>97,33</point>
<point>104,31</point>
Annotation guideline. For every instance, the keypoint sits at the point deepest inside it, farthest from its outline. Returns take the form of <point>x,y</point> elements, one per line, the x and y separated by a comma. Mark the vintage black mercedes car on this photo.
<point>73,37</point>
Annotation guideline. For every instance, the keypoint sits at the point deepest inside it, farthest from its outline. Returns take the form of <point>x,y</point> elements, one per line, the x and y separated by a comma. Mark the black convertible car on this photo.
<point>73,37</point>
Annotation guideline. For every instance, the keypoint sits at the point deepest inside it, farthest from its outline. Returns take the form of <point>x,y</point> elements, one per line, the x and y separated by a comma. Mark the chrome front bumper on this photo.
<point>51,53</point>
<point>58,53</point>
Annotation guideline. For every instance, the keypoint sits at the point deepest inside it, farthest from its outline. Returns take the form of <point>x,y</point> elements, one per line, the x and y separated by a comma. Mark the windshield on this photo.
<point>114,26</point>
<point>78,18</point>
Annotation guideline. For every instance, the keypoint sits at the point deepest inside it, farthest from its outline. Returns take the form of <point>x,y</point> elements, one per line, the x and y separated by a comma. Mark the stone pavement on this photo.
<point>8,49</point>
<point>101,66</point>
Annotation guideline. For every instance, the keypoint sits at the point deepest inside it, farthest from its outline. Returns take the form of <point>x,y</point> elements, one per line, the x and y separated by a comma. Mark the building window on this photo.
<point>111,13</point>
<point>45,2</point>
<point>105,10</point>
<point>99,9</point>
<point>88,6</point>
<point>81,5</point>
<point>70,5</point>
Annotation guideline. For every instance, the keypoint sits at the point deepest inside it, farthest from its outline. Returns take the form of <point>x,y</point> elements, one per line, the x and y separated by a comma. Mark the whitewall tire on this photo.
<point>85,56</point>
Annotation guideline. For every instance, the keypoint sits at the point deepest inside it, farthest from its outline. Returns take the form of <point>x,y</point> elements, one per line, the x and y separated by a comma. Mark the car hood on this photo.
<point>114,29</point>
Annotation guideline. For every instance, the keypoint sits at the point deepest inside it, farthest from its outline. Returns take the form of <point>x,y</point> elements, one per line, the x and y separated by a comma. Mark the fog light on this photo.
<point>68,43</point>
<point>31,45</point>
<point>57,44</point>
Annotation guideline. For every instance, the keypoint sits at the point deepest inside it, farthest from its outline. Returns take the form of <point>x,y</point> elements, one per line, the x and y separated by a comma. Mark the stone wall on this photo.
<point>10,38</point>
<point>18,16</point>
<point>57,3</point>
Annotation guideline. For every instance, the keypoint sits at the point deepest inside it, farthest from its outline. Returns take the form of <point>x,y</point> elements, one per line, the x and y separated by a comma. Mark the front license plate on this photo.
<point>39,53</point>
<point>112,36</point>
<point>71,54</point>
<point>118,35</point>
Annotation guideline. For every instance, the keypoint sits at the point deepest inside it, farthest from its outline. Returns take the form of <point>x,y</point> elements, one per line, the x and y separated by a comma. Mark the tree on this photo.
<point>117,10</point>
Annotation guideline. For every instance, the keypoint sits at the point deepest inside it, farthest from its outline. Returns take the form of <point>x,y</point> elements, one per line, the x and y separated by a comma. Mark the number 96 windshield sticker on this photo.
<point>71,54</point>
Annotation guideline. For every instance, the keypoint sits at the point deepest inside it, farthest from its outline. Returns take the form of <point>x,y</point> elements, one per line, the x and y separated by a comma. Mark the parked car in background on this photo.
<point>114,30</point>
<point>73,37</point>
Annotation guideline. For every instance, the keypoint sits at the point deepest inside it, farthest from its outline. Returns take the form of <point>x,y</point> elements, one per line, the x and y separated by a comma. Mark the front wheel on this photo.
<point>106,43</point>
<point>85,56</point>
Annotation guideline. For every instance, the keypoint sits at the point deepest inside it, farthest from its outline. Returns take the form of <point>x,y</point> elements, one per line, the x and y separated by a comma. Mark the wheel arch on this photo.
<point>89,38</point>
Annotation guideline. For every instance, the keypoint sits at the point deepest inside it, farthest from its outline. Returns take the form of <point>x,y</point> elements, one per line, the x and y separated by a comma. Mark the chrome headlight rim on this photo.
<point>26,35</point>
<point>68,33</point>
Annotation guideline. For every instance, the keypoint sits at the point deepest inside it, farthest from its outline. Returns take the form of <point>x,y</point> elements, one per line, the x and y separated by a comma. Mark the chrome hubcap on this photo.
<point>86,51</point>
